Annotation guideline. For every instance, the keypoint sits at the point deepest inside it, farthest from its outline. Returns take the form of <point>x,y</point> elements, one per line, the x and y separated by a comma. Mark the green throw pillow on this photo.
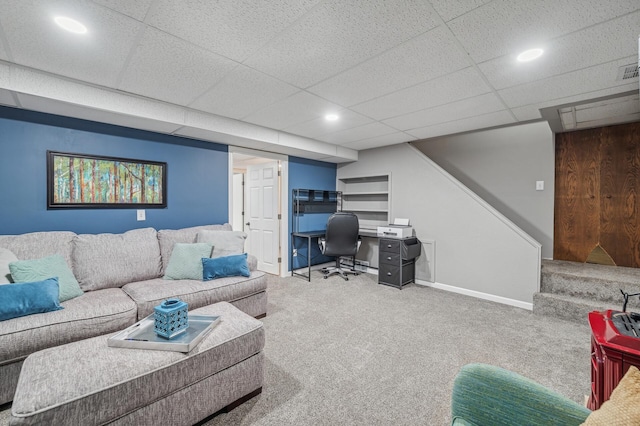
<point>185,262</point>
<point>24,271</point>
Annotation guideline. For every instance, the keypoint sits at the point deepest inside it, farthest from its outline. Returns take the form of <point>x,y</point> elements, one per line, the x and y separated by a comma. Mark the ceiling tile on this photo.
<point>498,118</point>
<point>231,28</point>
<point>357,133</point>
<point>448,9</point>
<point>592,46</point>
<point>37,42</point>
<point>423,58</point>
<point>375,142</point>
<point>320,126</point>
<point>242,92</point>
<point>527,112</point>
<point>574,83</point>
<point>136,9</point>
<point>506,26</point>
<point>337,35</point>
<point>469,107</point>
<point>298,108</point>
<point>170,69</point>
<point>459,85</point>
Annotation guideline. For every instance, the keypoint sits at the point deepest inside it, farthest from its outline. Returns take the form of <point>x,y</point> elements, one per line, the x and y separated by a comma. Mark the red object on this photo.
<point>612,353</point>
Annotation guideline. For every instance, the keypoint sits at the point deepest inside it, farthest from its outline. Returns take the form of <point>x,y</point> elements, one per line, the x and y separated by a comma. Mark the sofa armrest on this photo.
<point>252,261</point>
<point>484,395</point>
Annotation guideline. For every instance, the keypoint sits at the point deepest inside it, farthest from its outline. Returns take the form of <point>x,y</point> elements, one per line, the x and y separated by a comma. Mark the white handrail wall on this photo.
<point>479,251</point>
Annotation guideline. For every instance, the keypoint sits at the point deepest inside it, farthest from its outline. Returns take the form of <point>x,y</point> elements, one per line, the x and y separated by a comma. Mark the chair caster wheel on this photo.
<point>325,277</point>
<point>346,279</point>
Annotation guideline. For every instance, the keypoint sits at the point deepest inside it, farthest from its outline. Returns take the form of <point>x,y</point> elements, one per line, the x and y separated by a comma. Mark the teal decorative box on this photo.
<point>171,318</point>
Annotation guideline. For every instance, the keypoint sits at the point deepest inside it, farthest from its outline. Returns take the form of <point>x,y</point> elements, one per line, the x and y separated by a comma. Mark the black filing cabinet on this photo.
<point>396,261</point>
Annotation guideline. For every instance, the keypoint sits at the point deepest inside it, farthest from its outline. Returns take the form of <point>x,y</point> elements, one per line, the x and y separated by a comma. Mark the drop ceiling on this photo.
<point>263,73</point>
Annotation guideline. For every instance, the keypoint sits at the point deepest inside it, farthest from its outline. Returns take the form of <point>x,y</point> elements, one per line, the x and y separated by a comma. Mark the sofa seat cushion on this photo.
<point>88,382</point>
<point>92,314</point>
<point>112,260</point>
<point>150,293</point>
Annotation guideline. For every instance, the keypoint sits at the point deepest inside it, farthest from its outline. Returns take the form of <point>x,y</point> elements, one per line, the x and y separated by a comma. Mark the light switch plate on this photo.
<point>539,185</point>
<point>141,215</point>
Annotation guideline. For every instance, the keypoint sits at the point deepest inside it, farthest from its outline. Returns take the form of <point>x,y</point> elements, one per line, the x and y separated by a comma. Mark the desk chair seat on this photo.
<point>341,239</point>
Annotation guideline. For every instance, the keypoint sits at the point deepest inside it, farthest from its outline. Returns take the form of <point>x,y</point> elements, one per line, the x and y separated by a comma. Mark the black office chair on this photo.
<point>341,239</point>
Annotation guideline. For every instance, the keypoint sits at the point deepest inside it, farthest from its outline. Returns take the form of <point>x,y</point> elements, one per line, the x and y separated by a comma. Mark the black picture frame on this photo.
<point>84,181</point>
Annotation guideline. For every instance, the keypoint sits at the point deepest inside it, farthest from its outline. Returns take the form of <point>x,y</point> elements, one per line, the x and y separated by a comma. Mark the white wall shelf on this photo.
<point>368,197</point>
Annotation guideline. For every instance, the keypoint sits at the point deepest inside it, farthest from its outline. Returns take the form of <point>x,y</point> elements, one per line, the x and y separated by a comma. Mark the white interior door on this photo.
<point>263,226</point>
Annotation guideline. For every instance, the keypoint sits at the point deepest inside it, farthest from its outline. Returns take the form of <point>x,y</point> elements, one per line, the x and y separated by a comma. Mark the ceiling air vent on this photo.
<point>627,72</point>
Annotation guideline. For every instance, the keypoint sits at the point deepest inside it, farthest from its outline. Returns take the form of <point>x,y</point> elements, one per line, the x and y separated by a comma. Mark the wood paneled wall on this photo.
<point>597,187</point>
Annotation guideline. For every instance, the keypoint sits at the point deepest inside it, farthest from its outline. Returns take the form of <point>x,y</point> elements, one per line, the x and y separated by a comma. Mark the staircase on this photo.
<point>570,290</point>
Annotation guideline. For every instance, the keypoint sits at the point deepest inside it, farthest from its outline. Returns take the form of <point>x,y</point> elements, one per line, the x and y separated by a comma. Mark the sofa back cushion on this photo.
<point>169,237</point>
<point>113,260</point>
<point>37,245</point>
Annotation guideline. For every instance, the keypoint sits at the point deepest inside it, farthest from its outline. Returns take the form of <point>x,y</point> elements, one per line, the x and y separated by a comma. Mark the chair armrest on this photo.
<point>322,244</point>
<point>484,395</point>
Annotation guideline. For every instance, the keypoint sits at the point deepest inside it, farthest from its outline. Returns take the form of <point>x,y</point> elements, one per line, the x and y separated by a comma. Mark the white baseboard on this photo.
<point>478,294</point>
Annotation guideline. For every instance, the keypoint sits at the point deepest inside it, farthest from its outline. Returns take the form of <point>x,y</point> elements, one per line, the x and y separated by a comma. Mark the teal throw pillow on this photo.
<point>23,299</point>
<point>185,262</point>
<point>25,271</point>
<point>226,266</point>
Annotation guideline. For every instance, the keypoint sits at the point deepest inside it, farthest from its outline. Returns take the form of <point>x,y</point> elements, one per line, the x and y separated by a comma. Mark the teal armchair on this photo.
<point>485,395</point>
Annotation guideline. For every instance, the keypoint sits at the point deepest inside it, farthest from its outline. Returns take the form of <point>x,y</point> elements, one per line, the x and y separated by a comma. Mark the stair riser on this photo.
<point>590,288</point>
<point>578,312</point>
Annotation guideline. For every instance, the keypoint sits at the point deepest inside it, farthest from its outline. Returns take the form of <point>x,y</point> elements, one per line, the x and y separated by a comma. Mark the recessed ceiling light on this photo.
<point>331,117</point>
<point>530,55</point>
<point>70,25</point>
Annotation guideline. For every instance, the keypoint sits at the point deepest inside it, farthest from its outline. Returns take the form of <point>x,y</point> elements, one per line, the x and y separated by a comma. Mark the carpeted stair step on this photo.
<point>568,307</point>
<point>599,283</point>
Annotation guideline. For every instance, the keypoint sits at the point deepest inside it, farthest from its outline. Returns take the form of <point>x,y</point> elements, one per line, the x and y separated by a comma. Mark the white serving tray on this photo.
<point>142,336</point>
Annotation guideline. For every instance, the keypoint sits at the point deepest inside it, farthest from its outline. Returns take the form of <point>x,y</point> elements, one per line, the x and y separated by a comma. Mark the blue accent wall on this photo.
<point>197,174</point>
<point>309,174</point>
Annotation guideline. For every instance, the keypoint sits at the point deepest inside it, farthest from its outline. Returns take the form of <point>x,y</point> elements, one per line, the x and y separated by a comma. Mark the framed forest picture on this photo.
<point>89,181</point>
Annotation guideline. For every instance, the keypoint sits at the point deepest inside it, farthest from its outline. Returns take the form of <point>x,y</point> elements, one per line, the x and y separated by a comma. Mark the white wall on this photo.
<point>478,251</point>
<point>502,167</point>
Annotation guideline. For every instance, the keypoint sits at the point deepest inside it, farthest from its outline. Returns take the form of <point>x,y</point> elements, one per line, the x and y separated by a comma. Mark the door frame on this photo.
<point>283,195</point>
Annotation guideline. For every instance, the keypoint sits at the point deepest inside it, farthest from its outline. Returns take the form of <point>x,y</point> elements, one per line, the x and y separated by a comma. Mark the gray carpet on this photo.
<point>358,353</point>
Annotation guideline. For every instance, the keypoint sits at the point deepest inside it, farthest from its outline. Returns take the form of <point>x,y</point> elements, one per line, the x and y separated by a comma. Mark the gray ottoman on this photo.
<point>88,382</point>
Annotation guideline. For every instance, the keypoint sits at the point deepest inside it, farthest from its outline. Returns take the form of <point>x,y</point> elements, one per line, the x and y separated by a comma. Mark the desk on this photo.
<point>309,235</point>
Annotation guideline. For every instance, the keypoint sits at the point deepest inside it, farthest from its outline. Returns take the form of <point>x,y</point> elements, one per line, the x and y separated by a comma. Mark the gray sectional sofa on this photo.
<point>122,279</point>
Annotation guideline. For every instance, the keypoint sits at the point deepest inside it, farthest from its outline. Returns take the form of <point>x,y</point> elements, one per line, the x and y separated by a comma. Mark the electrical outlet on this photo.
<point>295,252</point>
<point>141,215</point>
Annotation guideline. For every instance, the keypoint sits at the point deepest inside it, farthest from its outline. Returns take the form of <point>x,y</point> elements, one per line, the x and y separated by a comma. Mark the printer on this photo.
<point>400,228</point>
